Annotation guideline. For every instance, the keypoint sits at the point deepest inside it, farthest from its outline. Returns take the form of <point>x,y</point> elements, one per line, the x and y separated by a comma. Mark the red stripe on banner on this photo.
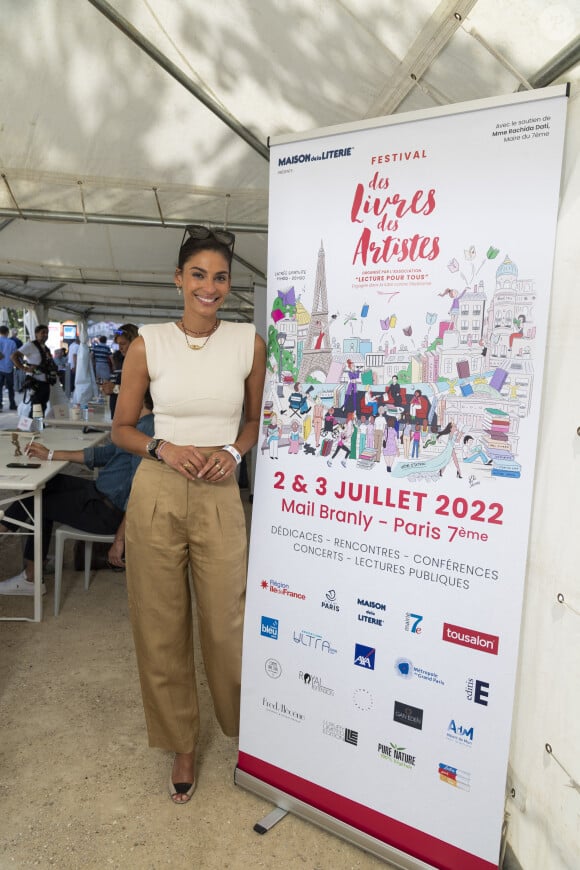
<point>413,842</point>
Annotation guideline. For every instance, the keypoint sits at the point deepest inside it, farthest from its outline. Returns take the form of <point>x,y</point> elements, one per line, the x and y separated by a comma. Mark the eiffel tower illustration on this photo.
<point>317,355</point>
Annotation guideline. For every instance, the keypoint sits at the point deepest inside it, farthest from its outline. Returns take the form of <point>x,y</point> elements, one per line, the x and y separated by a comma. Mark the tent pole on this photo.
<point>135,36</point>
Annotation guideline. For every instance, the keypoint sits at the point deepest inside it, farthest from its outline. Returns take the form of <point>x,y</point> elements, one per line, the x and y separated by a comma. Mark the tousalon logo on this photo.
<point>310,157</point>
<point>488,643</point>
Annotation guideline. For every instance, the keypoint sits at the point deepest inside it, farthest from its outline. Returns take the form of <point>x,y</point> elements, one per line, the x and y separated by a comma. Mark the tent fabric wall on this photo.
<point>543,814</point>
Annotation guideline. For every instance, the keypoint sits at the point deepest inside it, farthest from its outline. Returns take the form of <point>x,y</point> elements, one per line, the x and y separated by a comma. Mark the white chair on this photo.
<point>62,534</point>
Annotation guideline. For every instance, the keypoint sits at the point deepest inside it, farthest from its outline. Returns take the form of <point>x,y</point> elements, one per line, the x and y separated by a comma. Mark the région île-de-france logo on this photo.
<point>313,641</point>
<point>477,691</point>
<point>413,623</point>
<point>396,755</point>
<point>488,643</point>
<point>454,776</point>
<point>273,668</point>
<point>269,627</point>
<point>405,668</point>
<point>459,733</point>
<point>404,714</point>
<point>279,588</point>
<point>364,656</point>
<point>339,732</point>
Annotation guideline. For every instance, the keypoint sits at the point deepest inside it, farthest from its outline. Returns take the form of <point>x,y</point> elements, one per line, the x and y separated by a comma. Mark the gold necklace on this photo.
<point>193,332</point>
<point>199,346</point>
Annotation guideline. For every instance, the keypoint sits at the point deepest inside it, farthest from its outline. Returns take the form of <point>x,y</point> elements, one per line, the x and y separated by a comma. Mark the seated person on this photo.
<point>473,450</point>
<point>90,505</point>
<point>371,402</point>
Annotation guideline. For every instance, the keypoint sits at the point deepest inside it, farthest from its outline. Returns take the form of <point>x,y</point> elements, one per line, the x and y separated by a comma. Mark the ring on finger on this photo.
<point>187,465</point>
<point>222,472</point>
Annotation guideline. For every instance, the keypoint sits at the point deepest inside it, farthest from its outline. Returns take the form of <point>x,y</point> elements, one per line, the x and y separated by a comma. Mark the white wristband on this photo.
<point>50,456</point>
<point>233,452</point>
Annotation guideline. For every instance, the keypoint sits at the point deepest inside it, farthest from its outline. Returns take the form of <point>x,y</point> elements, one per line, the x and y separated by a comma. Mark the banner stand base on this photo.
<point>268,822</point>
<point>288,804</point>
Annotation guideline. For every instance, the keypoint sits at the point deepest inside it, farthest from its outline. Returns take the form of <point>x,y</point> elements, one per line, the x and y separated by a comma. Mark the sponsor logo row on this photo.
<point>476,690</point>
<point>374,613</point>
<point>364,656</point>
<point>392,752</point>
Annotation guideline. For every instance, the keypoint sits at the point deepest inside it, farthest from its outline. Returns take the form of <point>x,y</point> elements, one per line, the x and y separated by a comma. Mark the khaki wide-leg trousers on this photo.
<point>173,523</point>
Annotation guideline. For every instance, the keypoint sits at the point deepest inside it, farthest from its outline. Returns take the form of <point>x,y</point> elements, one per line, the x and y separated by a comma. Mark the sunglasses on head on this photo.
<point>199,233</point>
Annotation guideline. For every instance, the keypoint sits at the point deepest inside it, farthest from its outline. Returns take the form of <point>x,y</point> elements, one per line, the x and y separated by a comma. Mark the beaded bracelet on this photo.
<point>233,452</point>
<point>159,449</point>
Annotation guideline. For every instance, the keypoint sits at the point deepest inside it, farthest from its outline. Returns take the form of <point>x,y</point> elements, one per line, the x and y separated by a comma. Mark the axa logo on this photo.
<point>269,627</point>
<point>488,643</point>
<point>364,656</point>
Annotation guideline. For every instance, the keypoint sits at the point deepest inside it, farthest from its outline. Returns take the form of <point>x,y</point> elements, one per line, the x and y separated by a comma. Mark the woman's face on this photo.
<point>205,281</point>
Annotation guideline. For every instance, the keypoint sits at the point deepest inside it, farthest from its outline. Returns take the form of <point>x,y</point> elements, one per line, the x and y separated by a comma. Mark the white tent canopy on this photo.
<point>106,154</point>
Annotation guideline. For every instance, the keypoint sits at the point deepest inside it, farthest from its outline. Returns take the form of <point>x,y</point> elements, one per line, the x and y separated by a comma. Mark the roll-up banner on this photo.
<point>409,270</point>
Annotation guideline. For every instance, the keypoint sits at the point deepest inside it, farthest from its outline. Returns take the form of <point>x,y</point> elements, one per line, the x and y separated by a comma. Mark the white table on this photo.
<point>24,481</point>
<point>99,418</point>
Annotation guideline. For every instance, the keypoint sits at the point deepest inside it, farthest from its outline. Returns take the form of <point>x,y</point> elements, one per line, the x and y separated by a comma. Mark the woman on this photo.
<point>390,446</point>
<point>185,505</point>
<point>274,433</point>
<point>317,420</point>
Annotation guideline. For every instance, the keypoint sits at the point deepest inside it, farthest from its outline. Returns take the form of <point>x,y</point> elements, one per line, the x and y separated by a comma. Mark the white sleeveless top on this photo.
<point>198,395</point>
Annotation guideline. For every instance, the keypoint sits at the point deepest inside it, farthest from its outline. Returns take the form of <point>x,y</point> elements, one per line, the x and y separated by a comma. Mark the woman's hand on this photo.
<point>192,463</point>
<point>219,466</point>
